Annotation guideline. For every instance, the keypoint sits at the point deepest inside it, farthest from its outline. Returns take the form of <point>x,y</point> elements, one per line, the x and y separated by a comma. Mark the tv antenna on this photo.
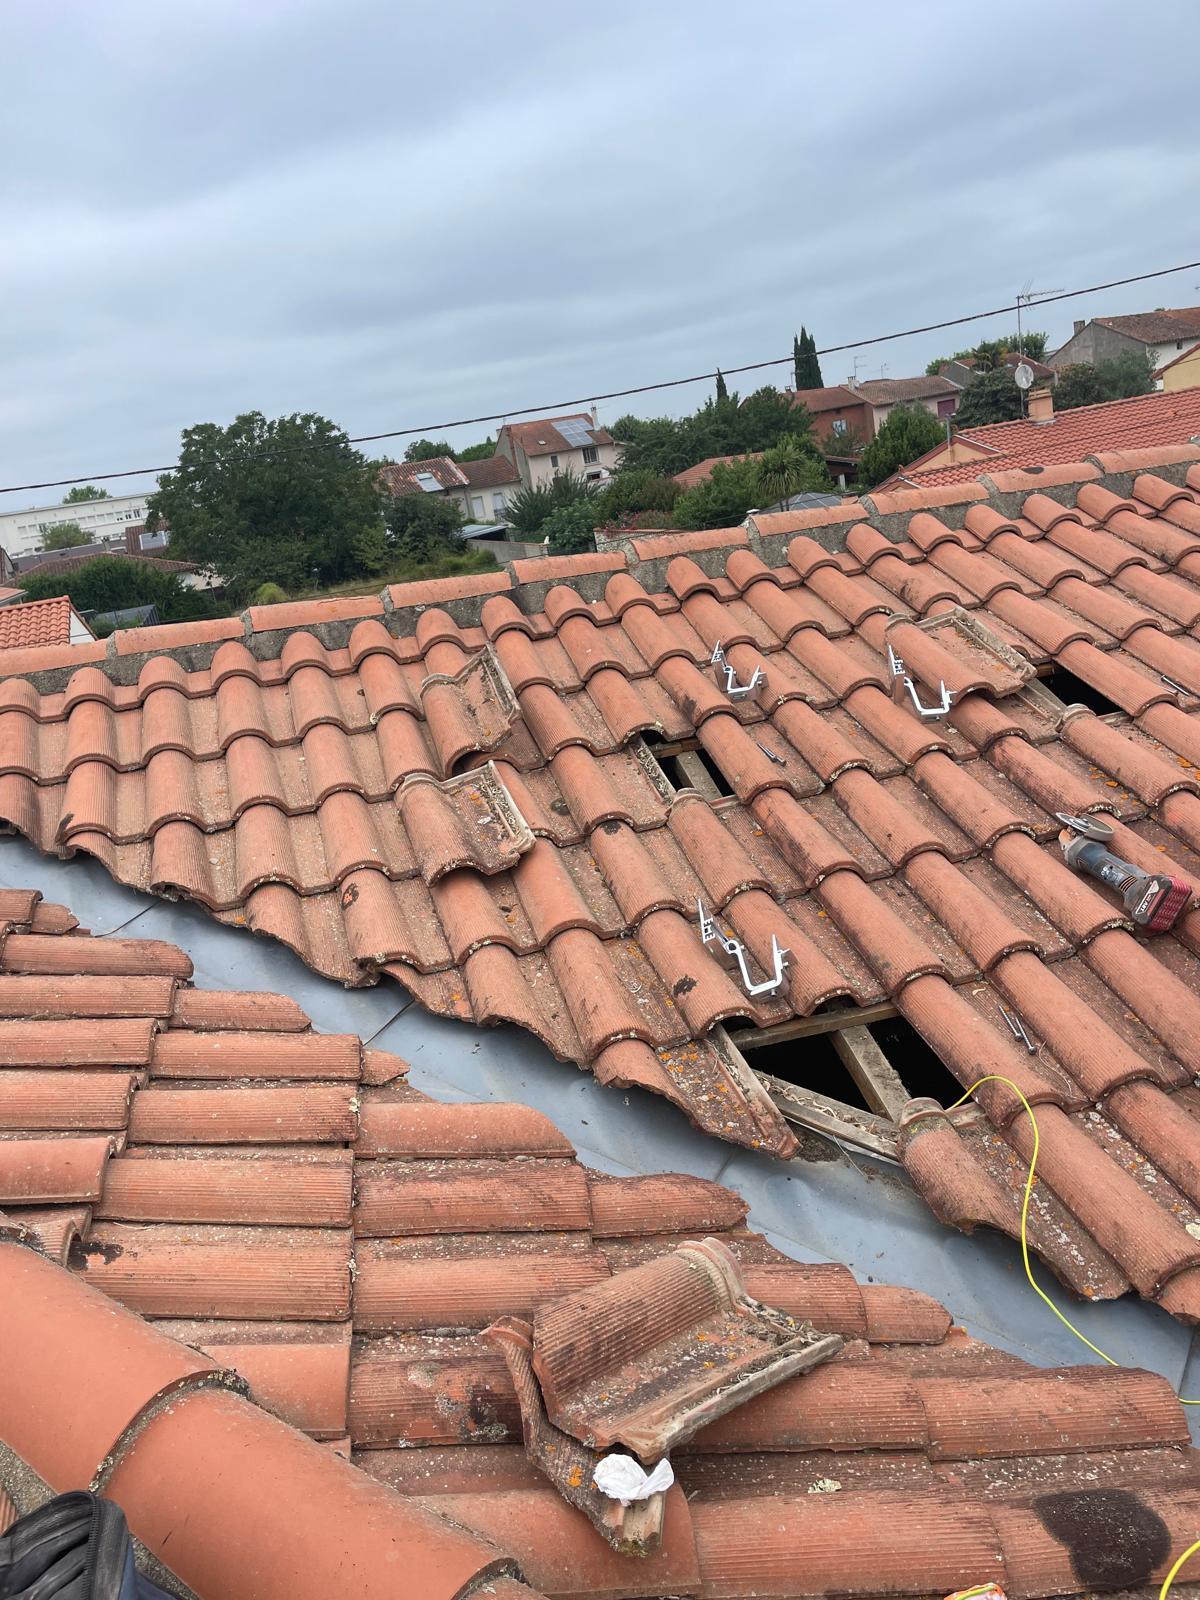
<point>1023,375</point>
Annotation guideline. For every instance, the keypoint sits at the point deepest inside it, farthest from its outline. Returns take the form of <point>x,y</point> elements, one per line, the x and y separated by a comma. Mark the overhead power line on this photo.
<point>430,428</point>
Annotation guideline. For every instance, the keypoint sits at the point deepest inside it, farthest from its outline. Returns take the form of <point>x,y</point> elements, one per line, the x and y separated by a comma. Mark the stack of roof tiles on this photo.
<point>456,785</point>
<point>287,1214</point>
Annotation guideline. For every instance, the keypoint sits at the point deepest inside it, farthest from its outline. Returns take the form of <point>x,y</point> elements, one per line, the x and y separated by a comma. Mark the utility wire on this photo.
<point>430,428</point>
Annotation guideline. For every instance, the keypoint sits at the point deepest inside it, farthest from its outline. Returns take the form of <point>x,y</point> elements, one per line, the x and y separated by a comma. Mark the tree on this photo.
<point>421,527</point>
<point>720,500</point>
<point>64,536</point>
<point>1122,377</point>
<point>990,353</point>
<point>282,501</point>
<point>908,433</point>
<point>528,509</point>
<point>571,528</point>
<point>797,363</point>
<point>84,491</point>
<point>992,397</point>
<point>804,359</point>
<point>114,583</point>
<point>783,471</point>
<point>426,449</point>
<point>765,418</point>
<point>477,452</point>
<point>628,493</point>
<point>722,390</point>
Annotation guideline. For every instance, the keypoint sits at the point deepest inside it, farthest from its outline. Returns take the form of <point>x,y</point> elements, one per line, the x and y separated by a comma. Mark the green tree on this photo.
<point>783,470</point>
<point>766,417</point>
<point>807,365</point>
<point>426,449</point>
<point>908,433</point>
<point>990,353</point>
<point>477,452</point>
<point>528,509</point>
<point>632,492</point>
<point>722,389</point>
<point>797,362</point>
<point>721,500</point>
<point>571,528</point>
<point>64,536</point>
<point>992,397</point>
<point>421,527</point>
<point>82,492</point>
<point>283,501</point>
<point>113,583</point>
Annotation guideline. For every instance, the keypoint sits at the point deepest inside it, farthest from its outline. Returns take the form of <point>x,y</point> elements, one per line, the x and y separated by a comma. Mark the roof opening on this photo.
<point>922,1071</point>
<point>810,1064</point>
<point>1074,691</point>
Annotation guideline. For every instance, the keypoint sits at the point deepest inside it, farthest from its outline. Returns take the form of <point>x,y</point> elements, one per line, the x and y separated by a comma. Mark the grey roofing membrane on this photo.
<point>845,1207</point>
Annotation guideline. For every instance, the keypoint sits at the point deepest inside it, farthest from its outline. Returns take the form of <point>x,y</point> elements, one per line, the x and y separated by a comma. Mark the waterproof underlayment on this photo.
<point>826,1206</point>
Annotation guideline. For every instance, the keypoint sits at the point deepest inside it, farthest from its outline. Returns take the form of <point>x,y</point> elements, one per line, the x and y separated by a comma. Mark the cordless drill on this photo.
<point>1155,900</point>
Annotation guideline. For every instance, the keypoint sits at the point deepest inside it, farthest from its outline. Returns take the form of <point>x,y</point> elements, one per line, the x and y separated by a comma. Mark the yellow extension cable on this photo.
<point>995,1077</point>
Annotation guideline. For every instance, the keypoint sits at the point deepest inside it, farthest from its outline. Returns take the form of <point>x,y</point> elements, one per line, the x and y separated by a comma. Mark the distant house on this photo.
<point>838,413</point>
<point>936,394</point>
<point>480,489</point>
<point>575,444</point>
<point>1162,335</point>
<point>1181,373</point>
<point>965,369</point>
<point>24,531</point>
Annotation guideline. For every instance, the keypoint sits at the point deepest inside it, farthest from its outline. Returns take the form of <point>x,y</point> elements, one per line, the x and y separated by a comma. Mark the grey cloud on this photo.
<point>395,214</point>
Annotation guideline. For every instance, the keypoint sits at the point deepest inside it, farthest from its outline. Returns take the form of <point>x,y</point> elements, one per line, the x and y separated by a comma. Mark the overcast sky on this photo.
<point>395,214</point>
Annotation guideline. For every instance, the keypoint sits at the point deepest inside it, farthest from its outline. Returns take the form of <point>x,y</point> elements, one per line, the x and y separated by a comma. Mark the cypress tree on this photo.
<point>722,391</point>
<point>812,366</point>
<point>798,358</point>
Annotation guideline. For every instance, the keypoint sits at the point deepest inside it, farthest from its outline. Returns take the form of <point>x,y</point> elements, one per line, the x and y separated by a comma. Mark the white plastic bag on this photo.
<point>625,1479</point>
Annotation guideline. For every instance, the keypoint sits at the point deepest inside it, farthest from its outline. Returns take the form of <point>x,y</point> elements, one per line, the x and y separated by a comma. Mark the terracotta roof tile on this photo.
<point>33,623</point>
<point>466,802</point>
<point>337,1248</point>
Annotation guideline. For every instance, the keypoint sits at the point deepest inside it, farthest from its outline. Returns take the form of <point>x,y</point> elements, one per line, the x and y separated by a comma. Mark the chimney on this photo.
<point>595,416</point>
<point>1080,325</point>
<point>1041,406</point>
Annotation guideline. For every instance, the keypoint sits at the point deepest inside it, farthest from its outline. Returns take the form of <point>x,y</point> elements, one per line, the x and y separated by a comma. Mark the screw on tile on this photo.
<point>1017,1029</point>
<point>734,689</point>
<point>1172,684</point>
<point>710,932</point>
<point>903,684</point>
<point>770,754</point>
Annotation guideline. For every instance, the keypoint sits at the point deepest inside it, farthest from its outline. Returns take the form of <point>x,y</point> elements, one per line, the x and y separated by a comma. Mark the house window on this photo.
<point>946,407</point>
<point>838,427</point>
<point>477,506</point>
<point>554,463</point>
<point>594,477</point>
<point>590,454</point>
<point>499,508</point>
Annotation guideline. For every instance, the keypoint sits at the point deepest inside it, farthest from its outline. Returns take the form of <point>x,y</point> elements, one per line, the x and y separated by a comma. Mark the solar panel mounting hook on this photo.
<point>734,689</point>
<point>903,684</point>
<point>710,933</point>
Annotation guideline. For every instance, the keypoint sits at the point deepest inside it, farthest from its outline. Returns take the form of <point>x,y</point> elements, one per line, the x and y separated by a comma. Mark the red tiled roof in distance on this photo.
<point>1144,421</point>
<point>832,398</point>
<point>542,438</point>
<point>490,472</point>
<point>1157,327</point>
<point>900,391</point>
<point>403,477</point>
<point>457,1213</point>
<point>703,470</point>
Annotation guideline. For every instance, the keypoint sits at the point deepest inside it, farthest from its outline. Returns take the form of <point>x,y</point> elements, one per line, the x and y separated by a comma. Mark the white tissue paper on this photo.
<point>625,1479</point>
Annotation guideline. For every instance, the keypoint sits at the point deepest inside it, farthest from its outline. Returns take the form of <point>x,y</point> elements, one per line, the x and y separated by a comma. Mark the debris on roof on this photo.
<point>300,1243</point>
<point>520,793</point>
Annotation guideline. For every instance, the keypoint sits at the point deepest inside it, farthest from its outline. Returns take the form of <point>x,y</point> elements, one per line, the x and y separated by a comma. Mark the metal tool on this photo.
<point>709,931</point>
<point>1155,900</point>
<point>770,754</point>
<point>902,683</point>
<point>1017,1028</point>
<point>734,689</point>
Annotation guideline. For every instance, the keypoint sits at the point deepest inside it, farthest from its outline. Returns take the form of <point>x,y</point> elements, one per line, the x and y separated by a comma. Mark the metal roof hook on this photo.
<point>710,933</point>
<point>902,685</point>
<point>734,689</point>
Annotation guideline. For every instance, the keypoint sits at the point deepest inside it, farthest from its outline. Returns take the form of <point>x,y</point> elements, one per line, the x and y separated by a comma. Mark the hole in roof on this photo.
<point>920,1069</point>
<point>810,1063</point>
<point>710,766</point>
<point>1072,690</point>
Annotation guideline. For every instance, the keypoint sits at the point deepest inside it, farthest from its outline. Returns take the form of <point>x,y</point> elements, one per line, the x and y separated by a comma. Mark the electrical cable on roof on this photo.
<point>430,428</point>
<point>996,1077</point>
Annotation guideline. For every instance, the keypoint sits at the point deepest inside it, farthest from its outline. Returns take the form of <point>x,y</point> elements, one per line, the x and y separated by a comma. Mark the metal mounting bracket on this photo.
<point>710,932</point>
<point>734,689</point>
<point>903,684</point>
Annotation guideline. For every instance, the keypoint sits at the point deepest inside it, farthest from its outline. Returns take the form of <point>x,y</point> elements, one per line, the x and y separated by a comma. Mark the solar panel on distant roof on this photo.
<point>576,431</point>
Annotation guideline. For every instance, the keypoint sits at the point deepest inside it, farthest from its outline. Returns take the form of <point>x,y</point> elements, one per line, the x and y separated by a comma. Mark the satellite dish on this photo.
<point>1023,375</point>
